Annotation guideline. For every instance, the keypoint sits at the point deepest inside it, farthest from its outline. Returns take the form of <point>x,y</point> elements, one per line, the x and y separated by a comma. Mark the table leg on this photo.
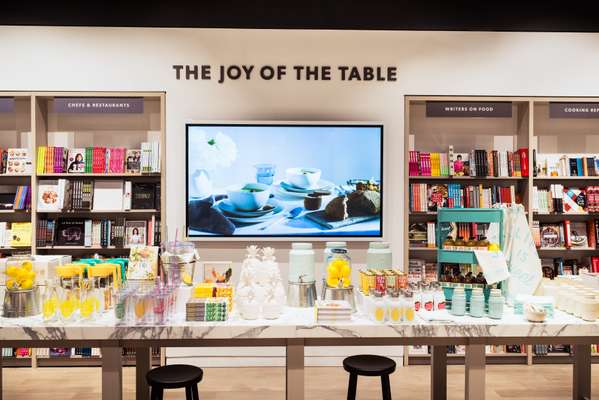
<point>143,363</point>
<point>112,373</point>
<point>475,372</point>
<point>438,372</point>
<point>581,382</point>
<point>294,386</point>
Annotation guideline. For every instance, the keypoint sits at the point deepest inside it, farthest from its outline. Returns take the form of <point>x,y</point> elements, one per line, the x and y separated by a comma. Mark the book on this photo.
<point>135,233</point>
<point>20,234</point>
<point>108,195</point>
<point>48,197</point>
<point>143,263</point>
<point>70,232</point>
<point>132,162</point>
<point>143,196</point>
<point>551,236</point>
<point>578,235</point>
<point>574,201</point>
<point>76,161</point>
<point>18,162</point>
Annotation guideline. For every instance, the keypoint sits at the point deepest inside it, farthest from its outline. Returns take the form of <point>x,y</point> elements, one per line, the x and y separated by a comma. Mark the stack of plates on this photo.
<point>333,311</point>
<point>271,210</point>
<point>287,189</point>
<point>195,309</point>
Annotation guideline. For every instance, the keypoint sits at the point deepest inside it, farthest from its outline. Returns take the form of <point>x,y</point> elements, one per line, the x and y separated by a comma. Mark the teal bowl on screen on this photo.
<point>249,196</point>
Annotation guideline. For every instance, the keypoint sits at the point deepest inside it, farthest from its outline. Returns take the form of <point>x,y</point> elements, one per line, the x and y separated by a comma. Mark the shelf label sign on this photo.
<point>573,110</point>
<point>7,104</point>
<point>99,105</point>
<point>495,109</point>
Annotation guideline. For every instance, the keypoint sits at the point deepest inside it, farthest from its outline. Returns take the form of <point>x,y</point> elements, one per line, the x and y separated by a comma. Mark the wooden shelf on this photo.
<point>566,178</point>
<point>469,178</point>
<point>15,211</point>
<point>15,176</point>
<point>553,249</point>
<point>424,213</point>
<point>72,212</point>
<point>81,248</point>
<point>431,249</point>
<point>96,175</point>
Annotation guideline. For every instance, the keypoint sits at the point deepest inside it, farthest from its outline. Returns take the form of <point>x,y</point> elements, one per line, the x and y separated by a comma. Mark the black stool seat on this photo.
<point>173,377</point>
<point>369,365</point>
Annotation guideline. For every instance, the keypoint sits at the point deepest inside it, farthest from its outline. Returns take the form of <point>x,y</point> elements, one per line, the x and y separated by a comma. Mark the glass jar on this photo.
<point>409,309</point>
<point>438,298</point>
<point>379,256</point>
<point>89,301</point>
<point>459,243</point>
<point>68,304</point>
<point>338,269</point>
<point>477,303</point>
<point>483,243</point>
<point>19,273</point>
<point>496,304</point>
<point>301,263</point>
<point>394,307</point>
<point>329,246</point>
<point>448,244</point>
<point>458,302</point>
<point>379,308</point>
<point>50,302</point>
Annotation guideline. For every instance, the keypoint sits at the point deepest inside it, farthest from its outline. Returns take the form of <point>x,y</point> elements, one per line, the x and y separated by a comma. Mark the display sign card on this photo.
<point>7,104</point>
<point>501,109</point>
<point>99,105</point>
<point>573,110</point>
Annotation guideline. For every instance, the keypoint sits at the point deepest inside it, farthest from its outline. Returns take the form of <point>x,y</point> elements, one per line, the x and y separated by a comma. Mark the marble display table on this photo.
<point>297,329</point>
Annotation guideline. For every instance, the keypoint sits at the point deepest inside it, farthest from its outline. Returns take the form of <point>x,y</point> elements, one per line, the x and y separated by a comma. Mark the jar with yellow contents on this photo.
<point>408,307</point>
<point>378,311</point>
<point>338,269</point>
<point>395,309</point>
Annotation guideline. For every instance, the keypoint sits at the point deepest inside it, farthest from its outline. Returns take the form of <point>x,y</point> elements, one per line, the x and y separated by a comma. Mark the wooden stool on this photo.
<point>369,365</point>
<point>174,377</point>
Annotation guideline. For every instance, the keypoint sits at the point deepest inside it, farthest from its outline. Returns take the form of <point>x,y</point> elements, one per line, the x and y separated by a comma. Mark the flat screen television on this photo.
<point>284,179</point>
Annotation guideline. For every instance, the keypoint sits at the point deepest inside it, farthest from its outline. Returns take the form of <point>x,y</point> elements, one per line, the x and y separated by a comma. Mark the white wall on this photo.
<point>443,63</point>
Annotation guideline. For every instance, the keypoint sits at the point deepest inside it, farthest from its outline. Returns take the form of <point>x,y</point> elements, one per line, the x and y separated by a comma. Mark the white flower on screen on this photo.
<point>213,151</point>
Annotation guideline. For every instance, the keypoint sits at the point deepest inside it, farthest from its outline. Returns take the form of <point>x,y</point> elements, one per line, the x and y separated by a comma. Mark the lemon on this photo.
<point>21,274</point>
<point>27,284</point>
<point>332,281</point>
<point>12,271</point>
<point>27,265</point>
<point>11,284</point>
<point>30,275</point>
<point>345,270</point>
<point>332,270</point>
<point>346,282</point>
<point>493,247</point>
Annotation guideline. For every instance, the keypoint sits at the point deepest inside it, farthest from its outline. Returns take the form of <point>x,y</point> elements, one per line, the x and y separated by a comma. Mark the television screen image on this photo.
<point>286,180</point>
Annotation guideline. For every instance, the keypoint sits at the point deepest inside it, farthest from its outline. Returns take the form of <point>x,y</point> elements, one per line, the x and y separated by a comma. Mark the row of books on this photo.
<point>15,234</point>
<point>15,197</point>
<point>561,200</point>
<point>421,271</point>
<point>567,164</point>
<point>73,352</point>
<point>422,234</point>
<point>78,232</point>
<point>553,267</point>
<point>461,349</point>
<point>99,160</point>
<point>566,234</point>
<point>429,197</point>
<point>102,195</point>
<point>479,163</point>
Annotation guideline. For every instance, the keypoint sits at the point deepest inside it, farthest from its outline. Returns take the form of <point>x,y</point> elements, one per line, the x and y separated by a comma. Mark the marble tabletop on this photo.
<point>299,323</point>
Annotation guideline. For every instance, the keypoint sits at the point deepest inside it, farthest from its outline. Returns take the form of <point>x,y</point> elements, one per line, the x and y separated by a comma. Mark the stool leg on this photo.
<point>157,393</point>
<point>351,388</point>
<point>194,391</point>
<point>386,387</point>
<point>188,395</point>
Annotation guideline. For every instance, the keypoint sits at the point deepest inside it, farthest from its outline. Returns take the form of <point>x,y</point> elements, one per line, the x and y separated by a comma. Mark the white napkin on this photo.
<point>493,265</point>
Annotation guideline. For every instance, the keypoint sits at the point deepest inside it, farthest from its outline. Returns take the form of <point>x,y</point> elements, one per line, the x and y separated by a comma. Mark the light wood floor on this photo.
<point>538,382</point>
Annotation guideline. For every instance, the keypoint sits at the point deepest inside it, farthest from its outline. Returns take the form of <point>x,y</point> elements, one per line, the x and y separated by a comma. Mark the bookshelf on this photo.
<point>530,126</point>
<point>33,122</point>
